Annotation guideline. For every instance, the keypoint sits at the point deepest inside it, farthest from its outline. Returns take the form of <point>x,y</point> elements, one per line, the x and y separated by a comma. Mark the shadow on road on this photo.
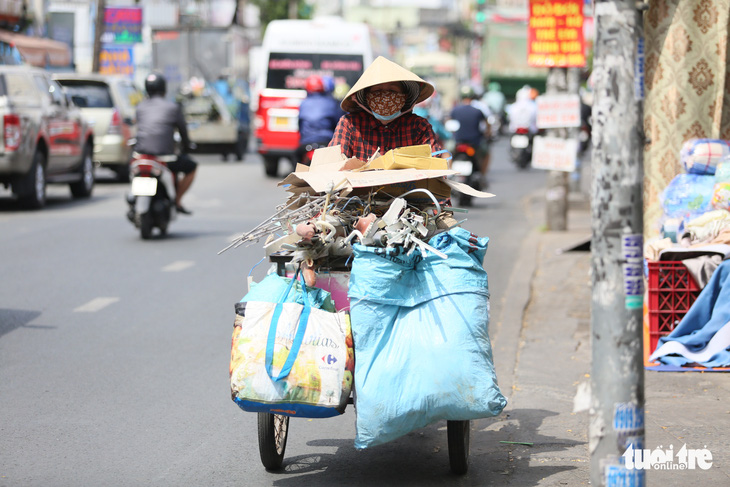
<point>9,203</point>
<point>420,458</point>
<point>11,319</point>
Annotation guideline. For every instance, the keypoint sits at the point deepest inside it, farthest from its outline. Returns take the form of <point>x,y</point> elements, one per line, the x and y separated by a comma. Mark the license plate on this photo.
<point>464,167</point>
<point>282,122</point>
<point>193,125</point>
<point>520,141</point>
<point>144,186</point>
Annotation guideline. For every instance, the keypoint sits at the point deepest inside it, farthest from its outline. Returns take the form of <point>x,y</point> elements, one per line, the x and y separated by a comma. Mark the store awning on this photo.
<point>39,51</point>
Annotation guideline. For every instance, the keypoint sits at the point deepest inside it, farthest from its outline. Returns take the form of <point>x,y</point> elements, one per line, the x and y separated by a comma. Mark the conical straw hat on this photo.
<point>383,70</point>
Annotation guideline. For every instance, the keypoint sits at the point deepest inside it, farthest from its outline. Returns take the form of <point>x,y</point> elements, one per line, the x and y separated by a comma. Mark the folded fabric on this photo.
<point>705,227</point>
<point>709,313</point>
<point>701,156</point>
<point>717,344</point>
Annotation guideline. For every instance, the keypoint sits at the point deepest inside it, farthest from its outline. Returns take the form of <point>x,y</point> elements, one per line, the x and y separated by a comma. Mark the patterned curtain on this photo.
<point>687,88</point>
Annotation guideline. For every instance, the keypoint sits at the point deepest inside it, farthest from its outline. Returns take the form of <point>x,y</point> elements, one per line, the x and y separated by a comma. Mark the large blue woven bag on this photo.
<point>420,327</point>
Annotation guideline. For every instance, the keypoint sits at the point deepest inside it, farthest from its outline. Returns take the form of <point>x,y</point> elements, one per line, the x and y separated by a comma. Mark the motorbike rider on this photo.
<point>496,101</point>
<point>157,120</point>
<point>473,130</point>
<point>380,116</point>
<point>319,113</point>
<point>523,112</point>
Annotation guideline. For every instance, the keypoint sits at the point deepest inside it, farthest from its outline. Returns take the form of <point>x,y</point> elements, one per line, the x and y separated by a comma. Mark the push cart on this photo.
<point>273,429</point>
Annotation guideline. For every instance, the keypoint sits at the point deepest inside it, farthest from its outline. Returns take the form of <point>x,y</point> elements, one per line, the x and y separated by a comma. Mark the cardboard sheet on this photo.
<point>410,167</point>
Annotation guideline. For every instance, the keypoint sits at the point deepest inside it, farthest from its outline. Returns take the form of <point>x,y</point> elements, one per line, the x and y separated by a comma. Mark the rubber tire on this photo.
<point>84,187</point>
<point>458,433</point>
<point>271,166</point>
<point>146,225</point>
<point>123,172</point>
<point>272,448</point>
<point>31,189</point>
<point>239,148</point>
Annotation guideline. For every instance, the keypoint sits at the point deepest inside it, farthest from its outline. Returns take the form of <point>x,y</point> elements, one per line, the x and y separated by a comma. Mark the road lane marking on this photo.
<point>95,305</point>
<point>179,265</point>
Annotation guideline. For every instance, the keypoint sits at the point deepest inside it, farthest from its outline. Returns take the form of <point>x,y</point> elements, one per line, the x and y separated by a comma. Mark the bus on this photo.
<point>291,51</point>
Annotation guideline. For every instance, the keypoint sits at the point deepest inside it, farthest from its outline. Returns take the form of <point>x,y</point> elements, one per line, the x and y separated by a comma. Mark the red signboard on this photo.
<point>555,34</point>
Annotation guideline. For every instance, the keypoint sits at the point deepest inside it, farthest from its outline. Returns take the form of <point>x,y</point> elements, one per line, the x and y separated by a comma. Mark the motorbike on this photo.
<point>152,195</point>
<point>465,161</point>
<point>521,147</point>
<point>584,137</point>
<point>305,152</point>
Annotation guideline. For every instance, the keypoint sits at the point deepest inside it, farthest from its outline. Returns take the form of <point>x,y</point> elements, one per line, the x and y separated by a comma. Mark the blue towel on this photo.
<point>709,313</point>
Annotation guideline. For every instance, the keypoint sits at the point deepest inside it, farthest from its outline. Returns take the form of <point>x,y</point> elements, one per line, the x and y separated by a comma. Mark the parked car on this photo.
<point>109,102</point>
<point>211,126</point>
<point>45,138</point>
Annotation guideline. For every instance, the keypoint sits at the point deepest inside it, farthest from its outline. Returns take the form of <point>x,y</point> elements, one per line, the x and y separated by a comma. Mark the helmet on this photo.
<point>467,92</point>
<point>155,84</point>
<point>329,84</point>
<point>494,86</point>
<point>314,84</point>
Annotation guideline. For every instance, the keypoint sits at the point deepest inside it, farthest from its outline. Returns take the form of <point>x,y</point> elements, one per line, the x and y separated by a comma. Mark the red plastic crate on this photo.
<point>672,290</point>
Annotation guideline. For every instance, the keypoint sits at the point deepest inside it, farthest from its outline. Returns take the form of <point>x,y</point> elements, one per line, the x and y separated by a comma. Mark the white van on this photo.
<point>293,50</point>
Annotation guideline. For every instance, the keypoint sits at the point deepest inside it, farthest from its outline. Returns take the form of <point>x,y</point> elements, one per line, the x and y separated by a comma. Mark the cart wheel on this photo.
<point>273,430</point>
<point>458,436</point>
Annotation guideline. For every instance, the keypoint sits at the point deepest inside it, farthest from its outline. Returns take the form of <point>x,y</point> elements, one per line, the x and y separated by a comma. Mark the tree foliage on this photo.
<point>279,9</point>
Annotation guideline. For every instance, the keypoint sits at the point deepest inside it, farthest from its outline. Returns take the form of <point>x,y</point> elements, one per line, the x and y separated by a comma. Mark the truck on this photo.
<point>182,53</point>
<point>194,62</point>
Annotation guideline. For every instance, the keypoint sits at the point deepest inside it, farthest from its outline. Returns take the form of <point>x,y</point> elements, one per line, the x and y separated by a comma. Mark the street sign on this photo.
<point>555,34</point>
<point>558,111</point>
<point>122,25</point>
<point>117,60</point>
<point>554,153</point>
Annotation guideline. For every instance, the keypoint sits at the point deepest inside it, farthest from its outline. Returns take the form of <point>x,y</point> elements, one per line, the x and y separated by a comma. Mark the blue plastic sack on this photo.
<point>272,286</point>
<point>420,327</point>
<point>688,196</point>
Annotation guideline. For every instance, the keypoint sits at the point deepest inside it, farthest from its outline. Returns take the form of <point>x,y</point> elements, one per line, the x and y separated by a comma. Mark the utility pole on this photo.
<point>240,13</point>
<point>617,371</point>
<point>98,31</point>
<point>556,191</point>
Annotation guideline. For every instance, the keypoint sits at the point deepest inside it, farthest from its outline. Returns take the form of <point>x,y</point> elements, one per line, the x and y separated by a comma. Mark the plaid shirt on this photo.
<point>359,134</point>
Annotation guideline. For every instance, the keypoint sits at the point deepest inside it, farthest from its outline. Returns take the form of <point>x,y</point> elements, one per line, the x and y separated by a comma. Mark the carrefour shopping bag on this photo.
<point>290,358</point>
<point>420,326</point>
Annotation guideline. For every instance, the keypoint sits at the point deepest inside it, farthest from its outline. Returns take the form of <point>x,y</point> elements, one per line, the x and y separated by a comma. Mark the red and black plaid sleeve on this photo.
<point>360,135</point>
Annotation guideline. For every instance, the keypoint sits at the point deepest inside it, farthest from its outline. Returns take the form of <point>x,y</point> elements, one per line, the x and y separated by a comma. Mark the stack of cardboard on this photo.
<point>394,173</point>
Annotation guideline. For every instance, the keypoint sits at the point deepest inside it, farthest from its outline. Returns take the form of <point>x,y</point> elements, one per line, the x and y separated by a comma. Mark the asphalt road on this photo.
<point>114,351</point>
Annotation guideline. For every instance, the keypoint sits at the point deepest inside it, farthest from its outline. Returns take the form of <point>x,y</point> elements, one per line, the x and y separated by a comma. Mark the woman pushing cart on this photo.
<point>384,277</point>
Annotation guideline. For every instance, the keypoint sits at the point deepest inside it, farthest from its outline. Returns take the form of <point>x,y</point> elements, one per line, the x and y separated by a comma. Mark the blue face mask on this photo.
<point>388,118</point>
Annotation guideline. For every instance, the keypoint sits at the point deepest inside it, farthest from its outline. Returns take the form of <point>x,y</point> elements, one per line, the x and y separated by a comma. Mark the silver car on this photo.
<point>108,102</point>
<point>44,137</point>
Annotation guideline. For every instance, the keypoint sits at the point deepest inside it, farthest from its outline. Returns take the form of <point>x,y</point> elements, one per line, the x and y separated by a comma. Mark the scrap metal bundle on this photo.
<point>337,201</point>
<point>314,228</point>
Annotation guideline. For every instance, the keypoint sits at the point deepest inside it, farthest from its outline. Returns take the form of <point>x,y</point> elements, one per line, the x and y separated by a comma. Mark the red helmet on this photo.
<point>314,84</point>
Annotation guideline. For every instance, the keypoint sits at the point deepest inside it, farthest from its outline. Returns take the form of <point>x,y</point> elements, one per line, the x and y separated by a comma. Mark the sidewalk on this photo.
<point>545,372</point>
